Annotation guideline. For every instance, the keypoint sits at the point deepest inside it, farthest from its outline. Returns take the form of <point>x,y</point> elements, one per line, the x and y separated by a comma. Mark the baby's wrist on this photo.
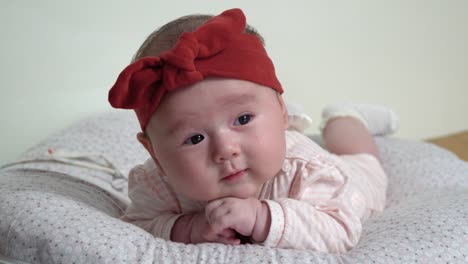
<point>182,229</point>
<point>262,223</point>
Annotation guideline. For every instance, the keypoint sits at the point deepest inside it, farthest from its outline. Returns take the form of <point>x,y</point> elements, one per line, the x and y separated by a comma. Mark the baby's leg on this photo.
<point>347,135</point>
<point>349,129</point>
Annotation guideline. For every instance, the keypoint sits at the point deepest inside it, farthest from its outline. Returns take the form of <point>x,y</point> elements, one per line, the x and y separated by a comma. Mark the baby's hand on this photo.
<point>201,231</point>
<point>233,214</point>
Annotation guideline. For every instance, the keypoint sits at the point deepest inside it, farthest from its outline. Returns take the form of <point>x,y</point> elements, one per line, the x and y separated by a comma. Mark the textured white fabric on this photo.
<point>51,213</point>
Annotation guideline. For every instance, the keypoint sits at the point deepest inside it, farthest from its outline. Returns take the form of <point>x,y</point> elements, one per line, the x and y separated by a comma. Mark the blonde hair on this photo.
<point>166,37</point>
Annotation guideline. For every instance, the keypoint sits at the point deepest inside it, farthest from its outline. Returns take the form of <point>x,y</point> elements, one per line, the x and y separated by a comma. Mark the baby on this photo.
<point>223,165</point>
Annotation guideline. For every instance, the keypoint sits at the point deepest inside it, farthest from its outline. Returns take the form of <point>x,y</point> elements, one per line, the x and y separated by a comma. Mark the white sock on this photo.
<point>378,119</point>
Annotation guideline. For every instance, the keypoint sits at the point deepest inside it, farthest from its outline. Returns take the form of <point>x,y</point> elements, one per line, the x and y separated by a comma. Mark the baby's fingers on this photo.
<point>228,240</point>
<point>227,232</point>
<point>226,236</point>
<point>220,225</point>
<point>213,206</point>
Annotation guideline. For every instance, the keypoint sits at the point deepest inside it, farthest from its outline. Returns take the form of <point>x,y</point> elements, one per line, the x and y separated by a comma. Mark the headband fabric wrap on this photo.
<point>218,48</point>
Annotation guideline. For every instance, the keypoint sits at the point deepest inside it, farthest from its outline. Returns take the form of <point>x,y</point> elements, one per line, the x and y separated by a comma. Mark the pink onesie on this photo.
<point>317,201</point>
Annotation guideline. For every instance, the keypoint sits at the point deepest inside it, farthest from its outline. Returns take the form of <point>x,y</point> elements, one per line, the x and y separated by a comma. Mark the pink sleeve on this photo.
<point>153,206</point>
<point>318,214</point>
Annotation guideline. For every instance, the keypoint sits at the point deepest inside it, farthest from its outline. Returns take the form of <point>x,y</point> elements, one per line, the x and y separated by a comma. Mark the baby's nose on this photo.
<point>228,155</point>
<point>226,150</point>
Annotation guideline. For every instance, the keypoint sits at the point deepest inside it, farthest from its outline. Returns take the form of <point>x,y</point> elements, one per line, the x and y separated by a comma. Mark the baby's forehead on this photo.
<point>214,91</point>
<point>211,95</point>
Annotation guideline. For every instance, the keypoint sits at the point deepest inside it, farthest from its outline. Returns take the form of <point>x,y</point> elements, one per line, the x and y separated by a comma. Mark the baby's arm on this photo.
<point>155,208</point>
<point>194,228</point>
<point>318,213</point>
<point>182,229</point>
<point>325,228</point>
<point>248,217</point>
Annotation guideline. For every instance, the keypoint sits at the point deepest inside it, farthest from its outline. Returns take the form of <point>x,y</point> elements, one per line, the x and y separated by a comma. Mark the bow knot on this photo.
<point>179,63</point>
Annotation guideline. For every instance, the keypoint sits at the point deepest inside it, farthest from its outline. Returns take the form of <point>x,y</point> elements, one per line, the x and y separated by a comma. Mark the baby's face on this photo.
<point>219,138</point>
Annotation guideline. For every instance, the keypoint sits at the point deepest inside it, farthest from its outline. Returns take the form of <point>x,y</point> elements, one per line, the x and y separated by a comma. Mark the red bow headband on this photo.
<point>218,48</point>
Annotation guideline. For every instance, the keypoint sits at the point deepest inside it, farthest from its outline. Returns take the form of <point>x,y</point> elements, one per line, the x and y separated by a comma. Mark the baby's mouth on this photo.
<point>235,176</point>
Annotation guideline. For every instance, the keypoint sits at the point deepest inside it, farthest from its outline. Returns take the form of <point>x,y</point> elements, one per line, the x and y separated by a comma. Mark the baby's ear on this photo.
<point>284,111</point>
<point>146,142</point>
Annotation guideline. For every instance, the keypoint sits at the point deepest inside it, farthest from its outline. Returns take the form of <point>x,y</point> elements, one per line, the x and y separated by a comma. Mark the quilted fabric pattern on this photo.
<point>111,134</point>
<point>57,213</point>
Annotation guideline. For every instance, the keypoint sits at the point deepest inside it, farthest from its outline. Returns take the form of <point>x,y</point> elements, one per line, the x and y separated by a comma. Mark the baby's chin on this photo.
<point>244,194</point>
<point>241,194</point>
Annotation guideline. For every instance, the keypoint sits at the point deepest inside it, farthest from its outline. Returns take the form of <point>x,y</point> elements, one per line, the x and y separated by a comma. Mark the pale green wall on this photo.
<point>59,58</point>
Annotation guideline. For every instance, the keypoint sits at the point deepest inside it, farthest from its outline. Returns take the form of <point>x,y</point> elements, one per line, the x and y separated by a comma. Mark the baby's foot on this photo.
<point>378,119</point>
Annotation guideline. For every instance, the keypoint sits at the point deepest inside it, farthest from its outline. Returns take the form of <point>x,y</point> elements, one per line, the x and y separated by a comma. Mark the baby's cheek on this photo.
<point>270,145</point>
<point>195,183</point>
<point>273,153</point>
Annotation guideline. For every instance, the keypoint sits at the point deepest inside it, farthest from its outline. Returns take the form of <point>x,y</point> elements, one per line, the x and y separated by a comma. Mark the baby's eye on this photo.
<point>193,140</point>
<point>243,119</point>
